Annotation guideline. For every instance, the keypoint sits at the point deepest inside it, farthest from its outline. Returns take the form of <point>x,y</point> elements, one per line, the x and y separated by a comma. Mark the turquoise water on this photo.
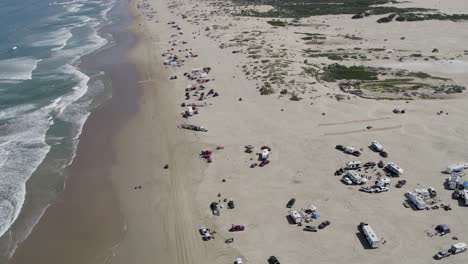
<point>44,97</point>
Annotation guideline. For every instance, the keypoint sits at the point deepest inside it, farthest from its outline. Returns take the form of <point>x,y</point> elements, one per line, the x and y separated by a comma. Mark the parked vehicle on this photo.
<point>366,189</point>
<point>369,164</point>
<point>264,162</point>
<point>340,147</point>
<point>376,146</point>
<point>355,177</point>
<point>238,261</point>
<point>205,233</point>
<point>324,224</point>
<point>383,181</point>
<point>380,164</point>
<point>310,228</point>
<point>291,203</point>
<point>229,240</point>
<point>214,208</point>
<point>379,189</point>
<point>273,260</point>
<point>400,183</point>
<point>353,165</point>
<point>231,204</point>
<point>457,248</point>
<point>347,180</point>
<point>371,236</point>
<point>296,216</point>
<point>442,254</point>
<point>394,169</point>
<point>236,228</point>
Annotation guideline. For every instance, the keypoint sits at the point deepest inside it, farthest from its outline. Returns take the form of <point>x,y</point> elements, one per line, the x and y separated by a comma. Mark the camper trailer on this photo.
<point>353,165</point>
<point>296,216</point>
<point>417,200</point>
<point>459,167</point>
<point>453,181</point>
<point>457,248</point>
<point>393,168</point>
<point>370,235</point>
<point>355,177</point>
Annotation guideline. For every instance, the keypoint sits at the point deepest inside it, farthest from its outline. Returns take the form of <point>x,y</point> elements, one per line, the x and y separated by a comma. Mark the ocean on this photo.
<point>45,99</point>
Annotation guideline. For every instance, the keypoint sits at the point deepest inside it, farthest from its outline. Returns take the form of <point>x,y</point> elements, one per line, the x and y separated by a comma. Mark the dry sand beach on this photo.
<point>160,220</point>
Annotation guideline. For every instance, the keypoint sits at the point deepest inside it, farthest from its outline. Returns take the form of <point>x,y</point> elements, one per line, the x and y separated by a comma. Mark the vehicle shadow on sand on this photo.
<point>363,241</point>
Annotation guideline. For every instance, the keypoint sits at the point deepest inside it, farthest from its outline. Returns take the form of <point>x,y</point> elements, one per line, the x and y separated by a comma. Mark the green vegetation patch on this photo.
<point>410,16</point>
<point>307,8</point>
<point>336,72</point>
<point>277,23</point>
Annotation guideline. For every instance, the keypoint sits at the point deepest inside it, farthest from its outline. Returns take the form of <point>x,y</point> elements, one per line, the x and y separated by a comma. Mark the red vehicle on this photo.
<point>236,228</point>
<point>263,163</point>
<point>206,154</point>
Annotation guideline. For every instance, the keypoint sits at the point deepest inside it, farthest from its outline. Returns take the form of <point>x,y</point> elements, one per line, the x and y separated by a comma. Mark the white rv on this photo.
<point>459,167</point>
<point>457,248</point>
<point>355,177</point>
<point>393,168</point>
<point>352,165</point>
<point>370,235</point>
<point>296,216</point>
<point>417,200</point>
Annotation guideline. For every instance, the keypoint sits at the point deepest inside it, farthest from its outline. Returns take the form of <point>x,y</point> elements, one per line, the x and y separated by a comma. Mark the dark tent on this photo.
<point>442,229</point>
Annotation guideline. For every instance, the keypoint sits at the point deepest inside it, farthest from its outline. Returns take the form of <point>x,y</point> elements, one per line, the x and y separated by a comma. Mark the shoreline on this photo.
<point>70,222</point>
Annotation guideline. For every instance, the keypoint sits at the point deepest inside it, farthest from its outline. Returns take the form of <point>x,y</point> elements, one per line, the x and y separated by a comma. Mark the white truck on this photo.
<point>393,168</point>
<point>376,146</point>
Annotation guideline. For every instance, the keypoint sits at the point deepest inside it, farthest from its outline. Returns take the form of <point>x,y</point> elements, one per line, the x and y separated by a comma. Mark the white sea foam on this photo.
<point>23,149</point>
<point>57,39</point>
<point>17,68</point>
<point>73,8</point>
<point>23,144</point>
<point>93,43</point>
<point>69,2</point>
